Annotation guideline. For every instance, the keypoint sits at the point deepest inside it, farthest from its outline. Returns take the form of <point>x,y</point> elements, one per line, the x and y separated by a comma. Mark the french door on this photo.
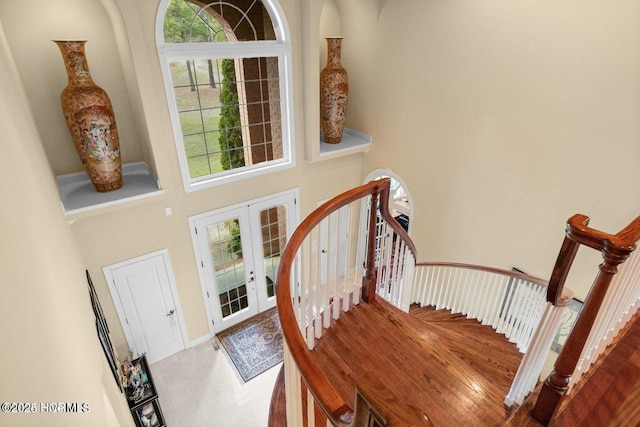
<point>238,249</point>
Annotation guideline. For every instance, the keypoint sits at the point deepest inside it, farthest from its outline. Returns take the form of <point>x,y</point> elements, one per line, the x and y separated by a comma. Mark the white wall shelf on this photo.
<point>352,142</point>
<point>77,193</point>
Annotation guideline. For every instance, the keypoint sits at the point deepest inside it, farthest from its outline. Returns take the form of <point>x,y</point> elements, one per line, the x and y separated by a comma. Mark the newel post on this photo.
<point>557,383</point>
<point>370,278</point>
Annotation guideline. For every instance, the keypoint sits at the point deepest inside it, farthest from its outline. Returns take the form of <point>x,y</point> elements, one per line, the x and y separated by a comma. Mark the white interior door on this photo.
<point>146,300</point>
<point>239,249</point>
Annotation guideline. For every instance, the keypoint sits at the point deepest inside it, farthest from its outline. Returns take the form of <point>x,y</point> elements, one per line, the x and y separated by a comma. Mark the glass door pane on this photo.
<point>271,222</point>
<point>226,252</point>
<point>226,258</point>
<point>239,250</point>
<point>274,237</point>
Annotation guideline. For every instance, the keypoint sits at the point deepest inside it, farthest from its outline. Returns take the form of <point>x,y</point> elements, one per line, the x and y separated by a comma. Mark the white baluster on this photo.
<point>311,407</point>
<point>518,311</point>
<point>527,375</point>
<point>466,291</point>
<point>496,291</point>
<point>436,286</point>
<point>431,287</point>
<point>473,296</point>
<point>419,285</point>
<point>498,298</point>
<point>408,274</point>
<point>396,271</point>
<point>292,378</point>
<point>446,290</point>
<point>457,290</point>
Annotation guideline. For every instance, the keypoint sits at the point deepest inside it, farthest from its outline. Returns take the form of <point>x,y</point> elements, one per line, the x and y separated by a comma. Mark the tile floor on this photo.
<point>199,387</point>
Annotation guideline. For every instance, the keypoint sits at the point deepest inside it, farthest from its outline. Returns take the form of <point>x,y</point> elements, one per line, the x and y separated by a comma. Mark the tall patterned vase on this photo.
<point>89,115</point>
<point>334,93</point>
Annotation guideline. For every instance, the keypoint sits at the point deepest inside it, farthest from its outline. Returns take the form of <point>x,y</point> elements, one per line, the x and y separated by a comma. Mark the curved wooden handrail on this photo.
<point>512,302</point>
<point>395,225</point>
<point>563,300</point>
<point>510,273</point>
<point>336,409</point>
<point>631,233</point>
<point>579,231</point>
<point>615,249</point>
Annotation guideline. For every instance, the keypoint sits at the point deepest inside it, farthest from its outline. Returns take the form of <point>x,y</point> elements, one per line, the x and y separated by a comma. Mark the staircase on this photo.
<point>374,338</point>
<point>608,396</point>
<point>456,378</point>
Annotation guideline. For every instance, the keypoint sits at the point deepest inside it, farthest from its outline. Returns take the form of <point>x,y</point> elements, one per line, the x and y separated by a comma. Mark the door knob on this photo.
<point>171,313</point>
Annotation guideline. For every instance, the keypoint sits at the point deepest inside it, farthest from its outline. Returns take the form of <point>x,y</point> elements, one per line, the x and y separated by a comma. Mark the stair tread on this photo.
<point>410,368</point>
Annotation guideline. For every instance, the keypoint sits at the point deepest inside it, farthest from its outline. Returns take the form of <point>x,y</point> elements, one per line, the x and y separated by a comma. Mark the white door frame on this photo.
<point>108,274</point>
<point>202,274</point>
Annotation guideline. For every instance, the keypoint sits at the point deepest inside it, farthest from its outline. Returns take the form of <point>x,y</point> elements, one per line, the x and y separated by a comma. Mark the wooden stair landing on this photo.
<point>420,368</point>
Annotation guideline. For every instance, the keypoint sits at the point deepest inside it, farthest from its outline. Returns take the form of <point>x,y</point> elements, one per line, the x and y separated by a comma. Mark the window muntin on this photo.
<point>226,69</point>
<point>217,21</point>
<point>226,122</point>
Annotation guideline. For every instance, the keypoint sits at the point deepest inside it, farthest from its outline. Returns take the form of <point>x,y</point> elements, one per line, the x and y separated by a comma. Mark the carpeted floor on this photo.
<point>255,345</point>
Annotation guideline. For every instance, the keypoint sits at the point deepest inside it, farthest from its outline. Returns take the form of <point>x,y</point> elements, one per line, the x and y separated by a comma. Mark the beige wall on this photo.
<point>30,36</point>
<point>503,119</point>
<point>50,351</point>
<point>130,231</point>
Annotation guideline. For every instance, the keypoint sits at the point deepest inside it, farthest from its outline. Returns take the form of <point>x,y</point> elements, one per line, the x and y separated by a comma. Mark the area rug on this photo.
<point>255,345</point>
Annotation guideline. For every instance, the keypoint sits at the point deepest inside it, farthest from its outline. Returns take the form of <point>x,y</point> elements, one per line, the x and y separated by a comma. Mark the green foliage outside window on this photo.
<point>181,27</point>
<point>234,246</point>
<point>230,126</point>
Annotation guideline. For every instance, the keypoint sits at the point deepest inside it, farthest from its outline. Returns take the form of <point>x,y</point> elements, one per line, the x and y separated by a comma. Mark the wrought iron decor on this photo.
<point>103,331</point>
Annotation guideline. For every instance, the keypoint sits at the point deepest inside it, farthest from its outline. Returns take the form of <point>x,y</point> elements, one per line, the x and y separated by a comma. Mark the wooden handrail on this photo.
<point>326,396</point>
<point>515,274</point>
<point>382,201</point>
<point>615,249</point>
<point>578,233</point>
<point>395,225</point>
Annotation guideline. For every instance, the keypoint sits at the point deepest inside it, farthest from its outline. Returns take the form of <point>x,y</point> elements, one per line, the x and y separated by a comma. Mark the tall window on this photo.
<point>226,68</point>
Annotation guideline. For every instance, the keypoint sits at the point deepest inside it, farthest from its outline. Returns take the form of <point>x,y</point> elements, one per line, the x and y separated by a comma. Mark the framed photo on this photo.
<point>566,324</point>
<point>139,383</point>
<point>148,415</point>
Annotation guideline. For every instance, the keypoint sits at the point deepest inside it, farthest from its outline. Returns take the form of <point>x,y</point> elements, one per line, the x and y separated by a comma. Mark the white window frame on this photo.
<point>280,48</point>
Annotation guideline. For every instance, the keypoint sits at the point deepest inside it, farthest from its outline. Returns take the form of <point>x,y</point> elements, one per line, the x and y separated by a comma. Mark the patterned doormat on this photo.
<point>255,345</point>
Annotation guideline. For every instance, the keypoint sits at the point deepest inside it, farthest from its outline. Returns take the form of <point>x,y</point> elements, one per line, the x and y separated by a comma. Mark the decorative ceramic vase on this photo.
<point>334,93</point>
<point>89,115</point>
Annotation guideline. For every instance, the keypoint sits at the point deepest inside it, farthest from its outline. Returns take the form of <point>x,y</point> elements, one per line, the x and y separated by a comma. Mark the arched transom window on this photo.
<point>226,67</point>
